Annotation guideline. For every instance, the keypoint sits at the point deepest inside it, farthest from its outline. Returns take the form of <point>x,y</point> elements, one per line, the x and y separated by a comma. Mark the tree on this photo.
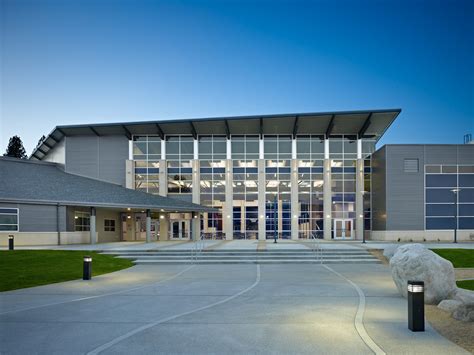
<point>15,148</point>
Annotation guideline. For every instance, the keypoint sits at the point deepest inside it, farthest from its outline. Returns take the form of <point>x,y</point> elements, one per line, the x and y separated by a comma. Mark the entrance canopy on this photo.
<point>363,124</point>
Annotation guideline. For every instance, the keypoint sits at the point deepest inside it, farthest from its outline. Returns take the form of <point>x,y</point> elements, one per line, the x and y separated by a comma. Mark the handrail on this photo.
<point>317,248</point>
<point>198,247</point>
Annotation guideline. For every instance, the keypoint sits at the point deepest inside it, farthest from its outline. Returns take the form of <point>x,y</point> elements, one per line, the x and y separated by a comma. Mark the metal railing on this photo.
<point>198,247</point>
<point>317,248</point>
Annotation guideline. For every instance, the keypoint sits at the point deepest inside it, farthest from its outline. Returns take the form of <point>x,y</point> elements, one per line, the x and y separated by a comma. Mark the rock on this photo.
<point>449,305</point>
<point>389,251</point>
<point>464,311</point>
<point>415,262</point>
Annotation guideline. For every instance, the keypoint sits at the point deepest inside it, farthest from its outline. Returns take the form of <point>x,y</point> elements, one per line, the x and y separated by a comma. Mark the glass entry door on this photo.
<point>179,229</point>
<point>343,228</point>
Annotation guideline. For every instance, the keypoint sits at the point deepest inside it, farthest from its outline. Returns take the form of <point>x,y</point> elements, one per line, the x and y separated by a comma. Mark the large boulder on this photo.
<point>390,250</point>
<point>415,262</point>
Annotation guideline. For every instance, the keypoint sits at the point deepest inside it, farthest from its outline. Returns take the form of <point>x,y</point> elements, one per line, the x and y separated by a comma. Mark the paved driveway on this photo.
<point>216,309</point>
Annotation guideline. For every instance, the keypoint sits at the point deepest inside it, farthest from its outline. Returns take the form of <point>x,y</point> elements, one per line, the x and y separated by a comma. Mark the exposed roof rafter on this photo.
<point>365,126</point>
<point>261,127</point>
<point>193,130</point>
<point>160,131</point>
<point>94,131</point>
<point>127,132</point>
<point>295,126</point>
<point>330,126</point>
<point>227,129</point>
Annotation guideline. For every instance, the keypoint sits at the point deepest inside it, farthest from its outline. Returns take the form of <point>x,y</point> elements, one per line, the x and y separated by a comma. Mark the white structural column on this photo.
<point>227,213</point>
<point>163,178</point>
<point>359,201</point>
<point>327,194</point>
<point>93,226</point>
<point>195,226</point>
<point>294,199</point>
<point>148,226</point>
<point>164,226</point>
<point>196,182</point>
<point>261,199</point>
<point>129,175</point>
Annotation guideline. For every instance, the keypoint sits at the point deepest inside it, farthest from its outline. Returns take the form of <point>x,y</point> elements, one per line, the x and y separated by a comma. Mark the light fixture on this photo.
<point>162,217</point>
<point>328,216</point>
<point>361,216</point>
<point>129,216</point>
<point>295,216</point>
<point>228,216</point>
<point>162,210</point>
<point>261,216</point>
<point>195,216</point>
<point>128,209</point>
<point>76,217</point>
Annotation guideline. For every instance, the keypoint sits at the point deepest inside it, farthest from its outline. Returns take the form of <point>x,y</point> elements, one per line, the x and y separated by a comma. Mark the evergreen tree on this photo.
<point>15,148</point>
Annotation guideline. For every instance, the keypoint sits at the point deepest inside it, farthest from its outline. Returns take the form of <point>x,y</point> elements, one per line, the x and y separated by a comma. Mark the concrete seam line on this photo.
<point>359,318</point>
<point>102,295</point>
<point>117,340</point>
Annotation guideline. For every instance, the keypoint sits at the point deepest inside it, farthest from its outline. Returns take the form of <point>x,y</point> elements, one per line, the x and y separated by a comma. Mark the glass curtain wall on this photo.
<point>441,201</point>
<point>212,155</point>
<point>343,155</point>
<point>310,155</point>
<point>245,154</point>
<point>179,156</point>
<point>277,155</point>
<point>146,157</point>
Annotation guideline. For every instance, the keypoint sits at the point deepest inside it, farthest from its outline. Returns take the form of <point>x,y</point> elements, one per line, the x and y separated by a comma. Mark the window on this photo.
<point>82,221</point>
<point>9,219</point>
<point>109,225</point>
<point>410,165</point>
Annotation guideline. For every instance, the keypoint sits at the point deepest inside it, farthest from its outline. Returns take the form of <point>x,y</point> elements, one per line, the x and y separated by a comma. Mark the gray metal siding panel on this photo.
<point>113,152</point>
<point>101,158</point>
<point>39,218</point>
<point>82,156</point>
<point>405,191</point>
<point>379,210</point>
<point>466,154</point>
<point>440,154</point>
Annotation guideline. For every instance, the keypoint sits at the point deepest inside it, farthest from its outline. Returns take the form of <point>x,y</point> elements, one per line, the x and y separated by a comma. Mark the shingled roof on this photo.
<point>47,183</point>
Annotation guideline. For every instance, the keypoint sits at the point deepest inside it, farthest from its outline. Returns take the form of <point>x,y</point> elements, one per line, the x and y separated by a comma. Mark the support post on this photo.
<point>227,213</point>
<point>148,226</point>
<point>294,200</point>
<point>359,202</point>
<point>164,226</point>
<point>195,226</point>
<point>261,200</point>
<point>327,199</point>
<point>93,226</point>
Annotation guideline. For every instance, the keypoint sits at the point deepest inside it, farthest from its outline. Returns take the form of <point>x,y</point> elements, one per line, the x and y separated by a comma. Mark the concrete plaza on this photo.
<point>217,309</point>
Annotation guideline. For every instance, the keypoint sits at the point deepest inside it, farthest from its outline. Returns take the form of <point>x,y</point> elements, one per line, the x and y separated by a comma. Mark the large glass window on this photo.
<point>310,147</point>
<point>179,155</point>
<point>212,147</point>
<point>449,187</point>
<point>82,221</point>
<point>245,147</point>
<point>9,219</point>
<point>146,156</point>
<point>212,191</point>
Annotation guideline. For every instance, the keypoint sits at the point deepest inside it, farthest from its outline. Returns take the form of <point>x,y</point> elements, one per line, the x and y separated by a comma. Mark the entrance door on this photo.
<point>179,229</point>
<point>343,228</point>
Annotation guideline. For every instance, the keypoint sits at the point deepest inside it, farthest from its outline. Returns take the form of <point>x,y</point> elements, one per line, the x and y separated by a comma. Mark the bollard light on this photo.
<point>11,242</point>
<point>416,306</point>
<point>87,268</point>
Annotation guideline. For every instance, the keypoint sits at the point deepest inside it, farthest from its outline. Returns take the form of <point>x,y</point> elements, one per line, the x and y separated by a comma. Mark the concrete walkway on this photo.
<point>205,309</point>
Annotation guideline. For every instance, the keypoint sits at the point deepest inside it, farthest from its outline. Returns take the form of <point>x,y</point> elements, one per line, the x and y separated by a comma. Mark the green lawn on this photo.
<point>467,284</point>
<point>28,268</point>
<point>459,257</point>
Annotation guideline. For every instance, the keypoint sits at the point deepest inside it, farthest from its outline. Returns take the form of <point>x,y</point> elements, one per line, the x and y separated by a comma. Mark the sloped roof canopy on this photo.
<point>46,183</point>
<point>369,123</point>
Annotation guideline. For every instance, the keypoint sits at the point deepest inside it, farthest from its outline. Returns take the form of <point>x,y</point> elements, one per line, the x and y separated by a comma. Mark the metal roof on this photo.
<point>25,181</point>
<point>366,123</point>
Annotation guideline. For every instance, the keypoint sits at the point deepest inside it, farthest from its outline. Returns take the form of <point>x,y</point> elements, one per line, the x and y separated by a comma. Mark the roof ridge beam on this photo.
<point>160,131</point>
<point>365,126</point>
<point>330,126</point>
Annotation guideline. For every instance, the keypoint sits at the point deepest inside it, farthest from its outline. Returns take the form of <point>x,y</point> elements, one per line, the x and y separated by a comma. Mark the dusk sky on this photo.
<point>71,62</point>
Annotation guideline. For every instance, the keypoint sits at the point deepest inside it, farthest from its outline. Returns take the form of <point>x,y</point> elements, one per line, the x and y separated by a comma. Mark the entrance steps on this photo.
<point>281,256</point>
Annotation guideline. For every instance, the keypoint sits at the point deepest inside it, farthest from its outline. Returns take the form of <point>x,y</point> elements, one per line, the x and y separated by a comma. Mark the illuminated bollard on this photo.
<point>11,242</point>
<point>416,306</point>
<point>87,268</point>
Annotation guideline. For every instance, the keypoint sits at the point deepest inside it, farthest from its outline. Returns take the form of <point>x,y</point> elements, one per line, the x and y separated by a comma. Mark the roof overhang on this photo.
<point>363,124</point>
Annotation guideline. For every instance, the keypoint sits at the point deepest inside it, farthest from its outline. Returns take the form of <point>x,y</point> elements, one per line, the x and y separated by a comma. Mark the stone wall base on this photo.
<point>45,238</point>
<point>421,236</point>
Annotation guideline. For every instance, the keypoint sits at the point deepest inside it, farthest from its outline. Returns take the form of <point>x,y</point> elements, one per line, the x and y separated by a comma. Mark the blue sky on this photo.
<point>67,62</point>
